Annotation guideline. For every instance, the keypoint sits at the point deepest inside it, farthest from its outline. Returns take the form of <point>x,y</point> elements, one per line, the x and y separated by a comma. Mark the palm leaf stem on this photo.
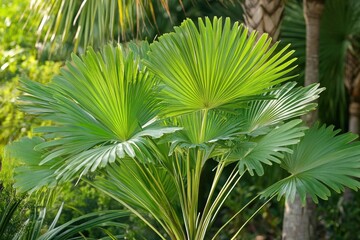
<point>225,191</point>
<point>248,220</point>
<point>212,207</point>
<point>180,186</point>
<point>234,216</point>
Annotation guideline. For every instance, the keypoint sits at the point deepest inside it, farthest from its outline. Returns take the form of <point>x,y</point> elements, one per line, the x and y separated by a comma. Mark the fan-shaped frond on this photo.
<point>103,107</point>
<point>29,175</point>
<point>266,149</point>
<point>321,161</point>
<point>214,65</point>
<point>288,102</point>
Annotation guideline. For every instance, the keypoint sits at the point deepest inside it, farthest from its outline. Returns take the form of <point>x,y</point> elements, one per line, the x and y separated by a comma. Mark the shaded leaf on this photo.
<point>323,160</point>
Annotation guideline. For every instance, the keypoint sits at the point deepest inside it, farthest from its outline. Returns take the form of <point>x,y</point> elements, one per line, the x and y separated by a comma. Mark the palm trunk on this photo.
<point>264,16</point>
<point>352,82</point>
<point>299,220</point>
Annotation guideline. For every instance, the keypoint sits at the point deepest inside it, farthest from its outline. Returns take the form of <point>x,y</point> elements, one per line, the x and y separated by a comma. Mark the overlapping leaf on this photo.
<point>322,161</point>
<point>103,108</point>
<point>288,102</point>
<point>214,65</point>
<point>266,149</point>
<point>147,187</point>
<point>205,127</point>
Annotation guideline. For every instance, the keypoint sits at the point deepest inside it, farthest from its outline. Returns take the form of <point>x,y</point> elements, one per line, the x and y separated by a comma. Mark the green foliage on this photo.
<point>336,218</point>
<point>193,64</point>
<point>14,123</point>
<point>317,168</point>
<point>154,125</point>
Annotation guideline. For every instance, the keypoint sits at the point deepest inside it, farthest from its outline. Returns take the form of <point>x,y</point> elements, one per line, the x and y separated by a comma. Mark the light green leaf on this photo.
<point>214,65</point>
<point>322,161</point>
<point>288,102</point>
<point>144,188</point>
<point>87,221</point>
<point>205,127</point>
<point>102,107</point>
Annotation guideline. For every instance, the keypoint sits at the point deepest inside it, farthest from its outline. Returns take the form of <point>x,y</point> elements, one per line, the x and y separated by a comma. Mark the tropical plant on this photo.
<point>264,16</point>
<point>95,22</point>
<point>152,117</point>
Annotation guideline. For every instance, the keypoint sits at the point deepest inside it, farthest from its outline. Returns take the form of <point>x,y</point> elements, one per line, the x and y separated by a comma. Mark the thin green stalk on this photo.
<point>232,183</point>
<point>217,176</point>
<point>178,178</point>
<point>225,224</point>
<point>219,200</point>
<point>203,124</point>
<point>248,220</point>
<point>219,170</point>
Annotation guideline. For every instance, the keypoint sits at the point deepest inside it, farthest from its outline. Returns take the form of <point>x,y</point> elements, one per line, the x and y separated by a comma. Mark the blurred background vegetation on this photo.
<point>26,52</point>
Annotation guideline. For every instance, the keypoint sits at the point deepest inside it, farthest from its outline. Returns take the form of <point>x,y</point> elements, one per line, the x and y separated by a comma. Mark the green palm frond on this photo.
<point>323,160</point>
<point>85,222</point>
<point>104,108</point>
<point>214,65</point>
<point>93,22</point>
<point>30,176</point>
<point>293,30</point>
<point>268,148</point>
<point>288,102</point>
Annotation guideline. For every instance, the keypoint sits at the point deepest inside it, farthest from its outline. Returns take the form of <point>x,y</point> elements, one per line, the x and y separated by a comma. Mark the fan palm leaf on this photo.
<point>104,108</point>
<point>145,188</point>
<point>287,103</point>
<point>268,148</point>
<point>28,164</point>
<point>323,160</point>
<point>214,65</point>
<point>93,22</point>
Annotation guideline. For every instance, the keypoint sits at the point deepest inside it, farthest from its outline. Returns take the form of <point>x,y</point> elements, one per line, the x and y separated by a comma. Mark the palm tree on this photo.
<point>151,117</point>
<point>270,10</point>
<point>264,16</point>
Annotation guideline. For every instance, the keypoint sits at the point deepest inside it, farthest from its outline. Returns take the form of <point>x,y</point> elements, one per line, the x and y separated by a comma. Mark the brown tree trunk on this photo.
<point>299,221</point>
<point>264,16</point>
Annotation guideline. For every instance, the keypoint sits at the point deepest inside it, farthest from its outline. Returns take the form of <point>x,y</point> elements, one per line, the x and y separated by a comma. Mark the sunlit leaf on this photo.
<point>215,64</point>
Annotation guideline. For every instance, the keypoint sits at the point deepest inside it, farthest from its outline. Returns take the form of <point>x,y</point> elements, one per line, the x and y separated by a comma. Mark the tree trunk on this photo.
<point>352,83</point>
<point>299,221</point>
<point>264,16</point>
